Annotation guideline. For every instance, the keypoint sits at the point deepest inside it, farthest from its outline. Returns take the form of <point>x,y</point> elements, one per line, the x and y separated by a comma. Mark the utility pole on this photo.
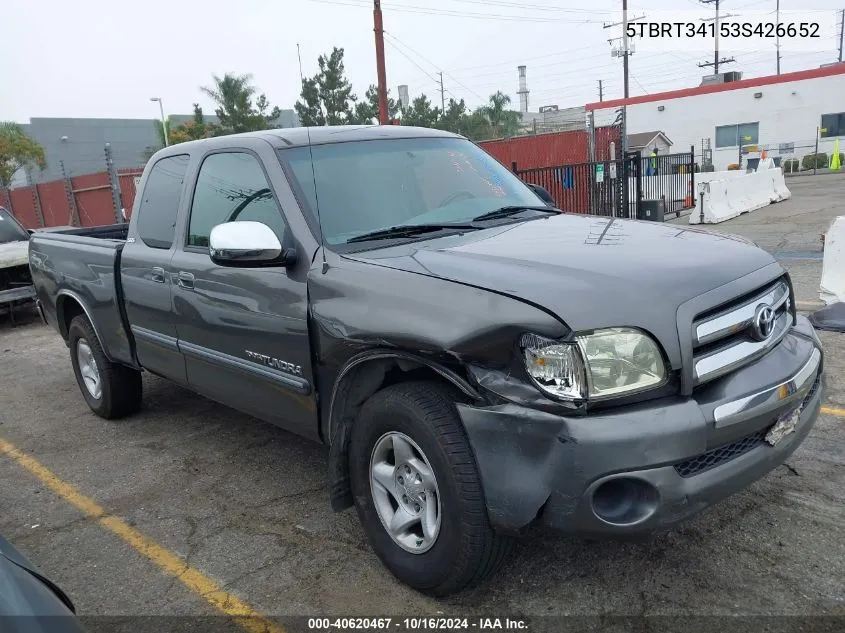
<point>625,47</point>
<point>442,93</point>
<point>626,53</point>
<point>378,27</point>
<point>841,33</point>
<point>716,61</point>
<point>601,91</point>
<point>777,37</point>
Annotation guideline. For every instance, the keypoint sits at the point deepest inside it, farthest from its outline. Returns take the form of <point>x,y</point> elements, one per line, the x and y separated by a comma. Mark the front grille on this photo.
<point>725,339</point>
<point>813,389</point>
<point>720,455</point>
<point>15,277</point>
<point>725,453</point>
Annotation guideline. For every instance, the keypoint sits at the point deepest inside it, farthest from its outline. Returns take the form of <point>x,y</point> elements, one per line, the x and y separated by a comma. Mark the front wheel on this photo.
<point>418,493</point>
<point>110,389</point>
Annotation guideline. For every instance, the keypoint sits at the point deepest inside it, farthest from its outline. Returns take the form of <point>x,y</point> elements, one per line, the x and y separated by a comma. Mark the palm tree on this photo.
<point>233,96</point>
<point>495,110</point>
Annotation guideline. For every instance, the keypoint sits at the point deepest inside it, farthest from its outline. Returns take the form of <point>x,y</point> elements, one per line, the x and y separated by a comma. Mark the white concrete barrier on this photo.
<point>832,287</point>
<point>714,204</point>
<point>734,195</point>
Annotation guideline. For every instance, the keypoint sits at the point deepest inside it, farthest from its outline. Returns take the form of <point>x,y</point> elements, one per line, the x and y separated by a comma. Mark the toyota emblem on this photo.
<point>764,323</point>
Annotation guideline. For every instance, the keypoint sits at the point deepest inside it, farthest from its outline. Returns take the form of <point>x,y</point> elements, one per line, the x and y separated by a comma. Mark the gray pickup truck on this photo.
<point>477,361</point>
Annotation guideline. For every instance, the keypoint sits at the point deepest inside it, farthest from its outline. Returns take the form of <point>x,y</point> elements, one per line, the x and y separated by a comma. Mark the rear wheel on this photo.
<point>417,490</point>
<point>110,389</point>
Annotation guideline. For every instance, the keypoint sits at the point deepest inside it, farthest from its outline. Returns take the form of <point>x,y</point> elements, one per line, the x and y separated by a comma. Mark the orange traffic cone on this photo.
<point>688,204</point>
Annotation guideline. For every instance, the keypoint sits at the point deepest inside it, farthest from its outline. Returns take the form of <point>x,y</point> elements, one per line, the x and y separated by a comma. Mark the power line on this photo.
<point>410,59</point>
<point>532,7</point>
<point>428,61</point>
<point>458,14</point>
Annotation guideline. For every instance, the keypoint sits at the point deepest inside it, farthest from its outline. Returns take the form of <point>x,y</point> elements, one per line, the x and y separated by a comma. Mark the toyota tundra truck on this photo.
<point>477,361</point>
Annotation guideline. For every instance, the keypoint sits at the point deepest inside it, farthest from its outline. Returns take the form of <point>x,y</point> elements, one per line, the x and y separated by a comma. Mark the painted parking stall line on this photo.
<point>198,583</point>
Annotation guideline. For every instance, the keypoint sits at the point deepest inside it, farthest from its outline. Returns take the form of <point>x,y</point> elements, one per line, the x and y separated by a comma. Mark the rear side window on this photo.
<point>162,191</point>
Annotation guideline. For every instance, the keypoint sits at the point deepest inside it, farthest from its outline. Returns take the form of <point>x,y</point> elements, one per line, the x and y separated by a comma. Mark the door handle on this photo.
<point>186,280</point>
<point>158,274</point>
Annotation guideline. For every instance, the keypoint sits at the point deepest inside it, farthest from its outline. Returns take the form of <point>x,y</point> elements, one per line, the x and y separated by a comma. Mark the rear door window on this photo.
<point>160,202</point>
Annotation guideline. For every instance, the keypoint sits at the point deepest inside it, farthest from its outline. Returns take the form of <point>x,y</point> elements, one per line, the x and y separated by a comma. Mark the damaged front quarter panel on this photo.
<point>519,454</point>
<point>359,307</point>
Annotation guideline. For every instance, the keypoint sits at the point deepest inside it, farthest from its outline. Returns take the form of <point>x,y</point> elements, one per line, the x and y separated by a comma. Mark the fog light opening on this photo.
<point>625,501</point>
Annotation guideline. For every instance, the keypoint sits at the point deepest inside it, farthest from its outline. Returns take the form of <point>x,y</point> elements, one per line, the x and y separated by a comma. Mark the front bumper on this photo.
<point>648,466</point>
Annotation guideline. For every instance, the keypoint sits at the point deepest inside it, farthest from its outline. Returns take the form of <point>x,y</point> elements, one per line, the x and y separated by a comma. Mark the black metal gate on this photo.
<point>647,188</point>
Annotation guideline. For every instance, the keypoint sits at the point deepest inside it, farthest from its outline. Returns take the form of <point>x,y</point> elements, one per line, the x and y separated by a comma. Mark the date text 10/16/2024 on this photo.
<point>417,624</point>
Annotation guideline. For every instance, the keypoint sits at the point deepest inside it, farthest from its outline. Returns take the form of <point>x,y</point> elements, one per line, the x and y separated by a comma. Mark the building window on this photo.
<point>737,134</point>
<point>833,125</point>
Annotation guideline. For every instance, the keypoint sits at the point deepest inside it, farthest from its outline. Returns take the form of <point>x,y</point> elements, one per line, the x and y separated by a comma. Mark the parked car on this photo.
<point>479,362</point>
<point>15,280</point>
<point>29,601</point>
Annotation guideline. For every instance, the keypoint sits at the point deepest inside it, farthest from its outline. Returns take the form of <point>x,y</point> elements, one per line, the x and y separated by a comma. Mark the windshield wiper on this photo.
<point>407,230</point>
<point>504,212</point>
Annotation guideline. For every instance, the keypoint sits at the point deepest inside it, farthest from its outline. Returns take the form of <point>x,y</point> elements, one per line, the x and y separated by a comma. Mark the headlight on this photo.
<point>602,364</point>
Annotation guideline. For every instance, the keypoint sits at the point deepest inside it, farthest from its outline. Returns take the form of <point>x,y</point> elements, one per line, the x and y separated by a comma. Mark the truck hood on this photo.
<point>14,254</point>
<point>589,271</point>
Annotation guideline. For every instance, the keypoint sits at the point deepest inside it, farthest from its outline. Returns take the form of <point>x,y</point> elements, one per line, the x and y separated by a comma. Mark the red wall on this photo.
<point>24,207</point>
<point>542,150</point>
<point>552,150</point>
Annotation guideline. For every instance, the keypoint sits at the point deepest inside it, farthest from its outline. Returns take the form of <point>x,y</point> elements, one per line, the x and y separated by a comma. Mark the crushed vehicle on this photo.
<point>478,362</point>
<point>15,280</point>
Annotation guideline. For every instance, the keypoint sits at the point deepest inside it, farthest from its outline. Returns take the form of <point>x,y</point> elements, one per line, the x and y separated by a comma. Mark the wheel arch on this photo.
<point>69,305</point>
<point>361,377</point>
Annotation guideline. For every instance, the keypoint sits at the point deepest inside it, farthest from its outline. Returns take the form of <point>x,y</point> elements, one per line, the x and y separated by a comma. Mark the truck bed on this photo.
<point>81,266</point>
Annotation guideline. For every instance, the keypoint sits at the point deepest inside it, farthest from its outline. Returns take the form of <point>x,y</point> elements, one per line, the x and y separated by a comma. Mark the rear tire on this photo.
<point>110,389</point>
<point>465,549</point>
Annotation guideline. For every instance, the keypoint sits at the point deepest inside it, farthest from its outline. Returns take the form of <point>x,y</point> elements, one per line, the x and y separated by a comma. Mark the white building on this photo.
<point>780,114</point>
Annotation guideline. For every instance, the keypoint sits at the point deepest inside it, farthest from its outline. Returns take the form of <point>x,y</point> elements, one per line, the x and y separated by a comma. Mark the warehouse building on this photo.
<point>732,120</point>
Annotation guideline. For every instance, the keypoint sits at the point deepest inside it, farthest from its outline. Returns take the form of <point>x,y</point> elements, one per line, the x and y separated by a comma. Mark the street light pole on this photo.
<point>163,121</point>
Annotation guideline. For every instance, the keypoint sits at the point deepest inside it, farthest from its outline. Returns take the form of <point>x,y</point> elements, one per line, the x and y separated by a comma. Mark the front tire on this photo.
<point>110,389</point>
<point>418,493</point>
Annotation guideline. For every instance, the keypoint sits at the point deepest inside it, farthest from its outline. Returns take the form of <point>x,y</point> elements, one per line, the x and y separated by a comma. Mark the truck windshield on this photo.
<point>368,186</point>
<point>10,230</point>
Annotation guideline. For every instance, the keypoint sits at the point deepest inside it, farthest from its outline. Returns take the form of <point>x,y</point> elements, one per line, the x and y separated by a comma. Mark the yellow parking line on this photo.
<point>209,590</point>
<point>833,411</point>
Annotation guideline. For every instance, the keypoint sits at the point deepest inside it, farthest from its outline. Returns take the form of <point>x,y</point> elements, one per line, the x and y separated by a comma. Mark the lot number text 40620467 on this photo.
<point>417,624</point>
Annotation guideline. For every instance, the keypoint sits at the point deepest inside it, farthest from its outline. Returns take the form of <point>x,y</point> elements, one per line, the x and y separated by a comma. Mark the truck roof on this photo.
<point>299,136</point>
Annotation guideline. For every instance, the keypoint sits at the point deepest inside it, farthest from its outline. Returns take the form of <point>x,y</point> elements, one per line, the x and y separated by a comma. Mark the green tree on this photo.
<point>476,126</point>
<point>233,95</point>
<point>366,111</point>
<point>421,113</point>
<point>327,97</point>
<point>194,129</point>
<point>454,118</point>
<point>503,121</point>
<point>17,151</point>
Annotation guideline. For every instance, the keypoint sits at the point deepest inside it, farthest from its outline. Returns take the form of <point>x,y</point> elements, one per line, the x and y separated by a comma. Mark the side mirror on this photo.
<point>247,244</point>
<point>541,192</point>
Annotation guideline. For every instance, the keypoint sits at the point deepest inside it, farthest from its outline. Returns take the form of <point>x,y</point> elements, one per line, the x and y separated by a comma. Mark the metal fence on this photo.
<point>633,187</point>
<point>84,200</point>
